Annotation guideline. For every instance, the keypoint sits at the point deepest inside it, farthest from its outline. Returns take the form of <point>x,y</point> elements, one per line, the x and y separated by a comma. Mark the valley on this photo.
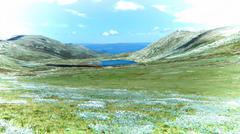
<point>185,83</point>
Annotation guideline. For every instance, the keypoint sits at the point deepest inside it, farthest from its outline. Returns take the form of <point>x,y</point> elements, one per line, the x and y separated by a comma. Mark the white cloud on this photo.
<point>75,12</point>
<point>81,25</point>
<point>128,5</point>
<point>110,33</point>
<point>74,32</point>
<point>13,16</point>
<point>10,29</point>
<point>162,8</point>
<point>12,21</point>
<point>156,28</point>
<point>212,13</point>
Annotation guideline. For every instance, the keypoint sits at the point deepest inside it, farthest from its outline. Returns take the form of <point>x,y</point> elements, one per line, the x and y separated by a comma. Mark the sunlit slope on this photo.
<point>185,43</point>
<point>29,50</point>
<point>33,47</point>
<point>7,64</point>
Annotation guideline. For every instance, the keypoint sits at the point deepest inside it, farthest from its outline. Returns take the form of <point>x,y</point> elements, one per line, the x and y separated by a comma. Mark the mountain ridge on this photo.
<point>42,46</point>
<point>29,50</point>
<point>186,43</point>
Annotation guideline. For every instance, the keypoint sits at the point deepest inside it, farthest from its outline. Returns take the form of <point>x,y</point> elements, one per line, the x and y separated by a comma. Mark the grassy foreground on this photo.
<point>188,96</point>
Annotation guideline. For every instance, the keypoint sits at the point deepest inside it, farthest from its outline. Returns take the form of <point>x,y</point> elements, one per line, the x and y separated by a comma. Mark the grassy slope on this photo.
<point>199,76</point>
<point>38,48</point>
<point>212,73</point>
<point>205,77</point>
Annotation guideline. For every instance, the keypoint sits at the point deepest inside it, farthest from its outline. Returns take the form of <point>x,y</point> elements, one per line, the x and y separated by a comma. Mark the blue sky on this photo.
<point>111,21</point>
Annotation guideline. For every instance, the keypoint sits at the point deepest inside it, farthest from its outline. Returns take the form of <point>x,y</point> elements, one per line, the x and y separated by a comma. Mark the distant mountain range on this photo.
<point>35,48</point>
<point>223,41</point>
<point>220,42</point>
<point>117,48</point>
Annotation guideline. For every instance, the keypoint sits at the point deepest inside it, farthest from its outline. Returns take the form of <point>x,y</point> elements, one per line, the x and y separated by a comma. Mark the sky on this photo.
<point>113,21</point>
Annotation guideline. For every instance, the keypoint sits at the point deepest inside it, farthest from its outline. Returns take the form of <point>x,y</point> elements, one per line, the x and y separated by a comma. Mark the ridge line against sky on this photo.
<point>101,21</point>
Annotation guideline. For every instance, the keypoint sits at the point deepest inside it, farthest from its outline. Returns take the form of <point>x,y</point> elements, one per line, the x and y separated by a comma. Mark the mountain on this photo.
<point>180,44</point>
<point>117,48</point>
<point>35,47</point>
<point>32,51</point>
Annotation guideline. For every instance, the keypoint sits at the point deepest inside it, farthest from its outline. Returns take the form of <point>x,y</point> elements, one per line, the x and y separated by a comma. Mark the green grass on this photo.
<point>44,118</point>
<point>61,117</point>
<point>217,77</point>
<point>204,77</point>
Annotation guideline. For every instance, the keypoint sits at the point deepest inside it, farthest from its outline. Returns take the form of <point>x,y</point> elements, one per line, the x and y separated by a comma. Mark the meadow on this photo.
<point>172,96</point>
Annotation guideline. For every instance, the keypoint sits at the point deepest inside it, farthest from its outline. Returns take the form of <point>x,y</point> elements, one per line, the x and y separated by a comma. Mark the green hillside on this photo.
<point>188,82</point>
<point>182,44</point>
<point>30,50</point>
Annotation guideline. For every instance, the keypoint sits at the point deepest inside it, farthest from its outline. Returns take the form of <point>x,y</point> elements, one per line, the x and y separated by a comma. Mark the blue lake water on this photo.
<point>105,63</point>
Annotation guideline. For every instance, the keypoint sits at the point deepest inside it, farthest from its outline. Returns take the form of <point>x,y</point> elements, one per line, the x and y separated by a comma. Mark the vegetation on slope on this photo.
<point>172,96</point>
<point>45,47</point>
<point>188,76</point>
<point>197,93</point>
<point>32,50</point>
<point>183,44</point>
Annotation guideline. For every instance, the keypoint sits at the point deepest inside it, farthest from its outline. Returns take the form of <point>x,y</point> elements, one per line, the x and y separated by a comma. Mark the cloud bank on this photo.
<point>128,5</point>
<point>111,32</point>
<point>212,13</point>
